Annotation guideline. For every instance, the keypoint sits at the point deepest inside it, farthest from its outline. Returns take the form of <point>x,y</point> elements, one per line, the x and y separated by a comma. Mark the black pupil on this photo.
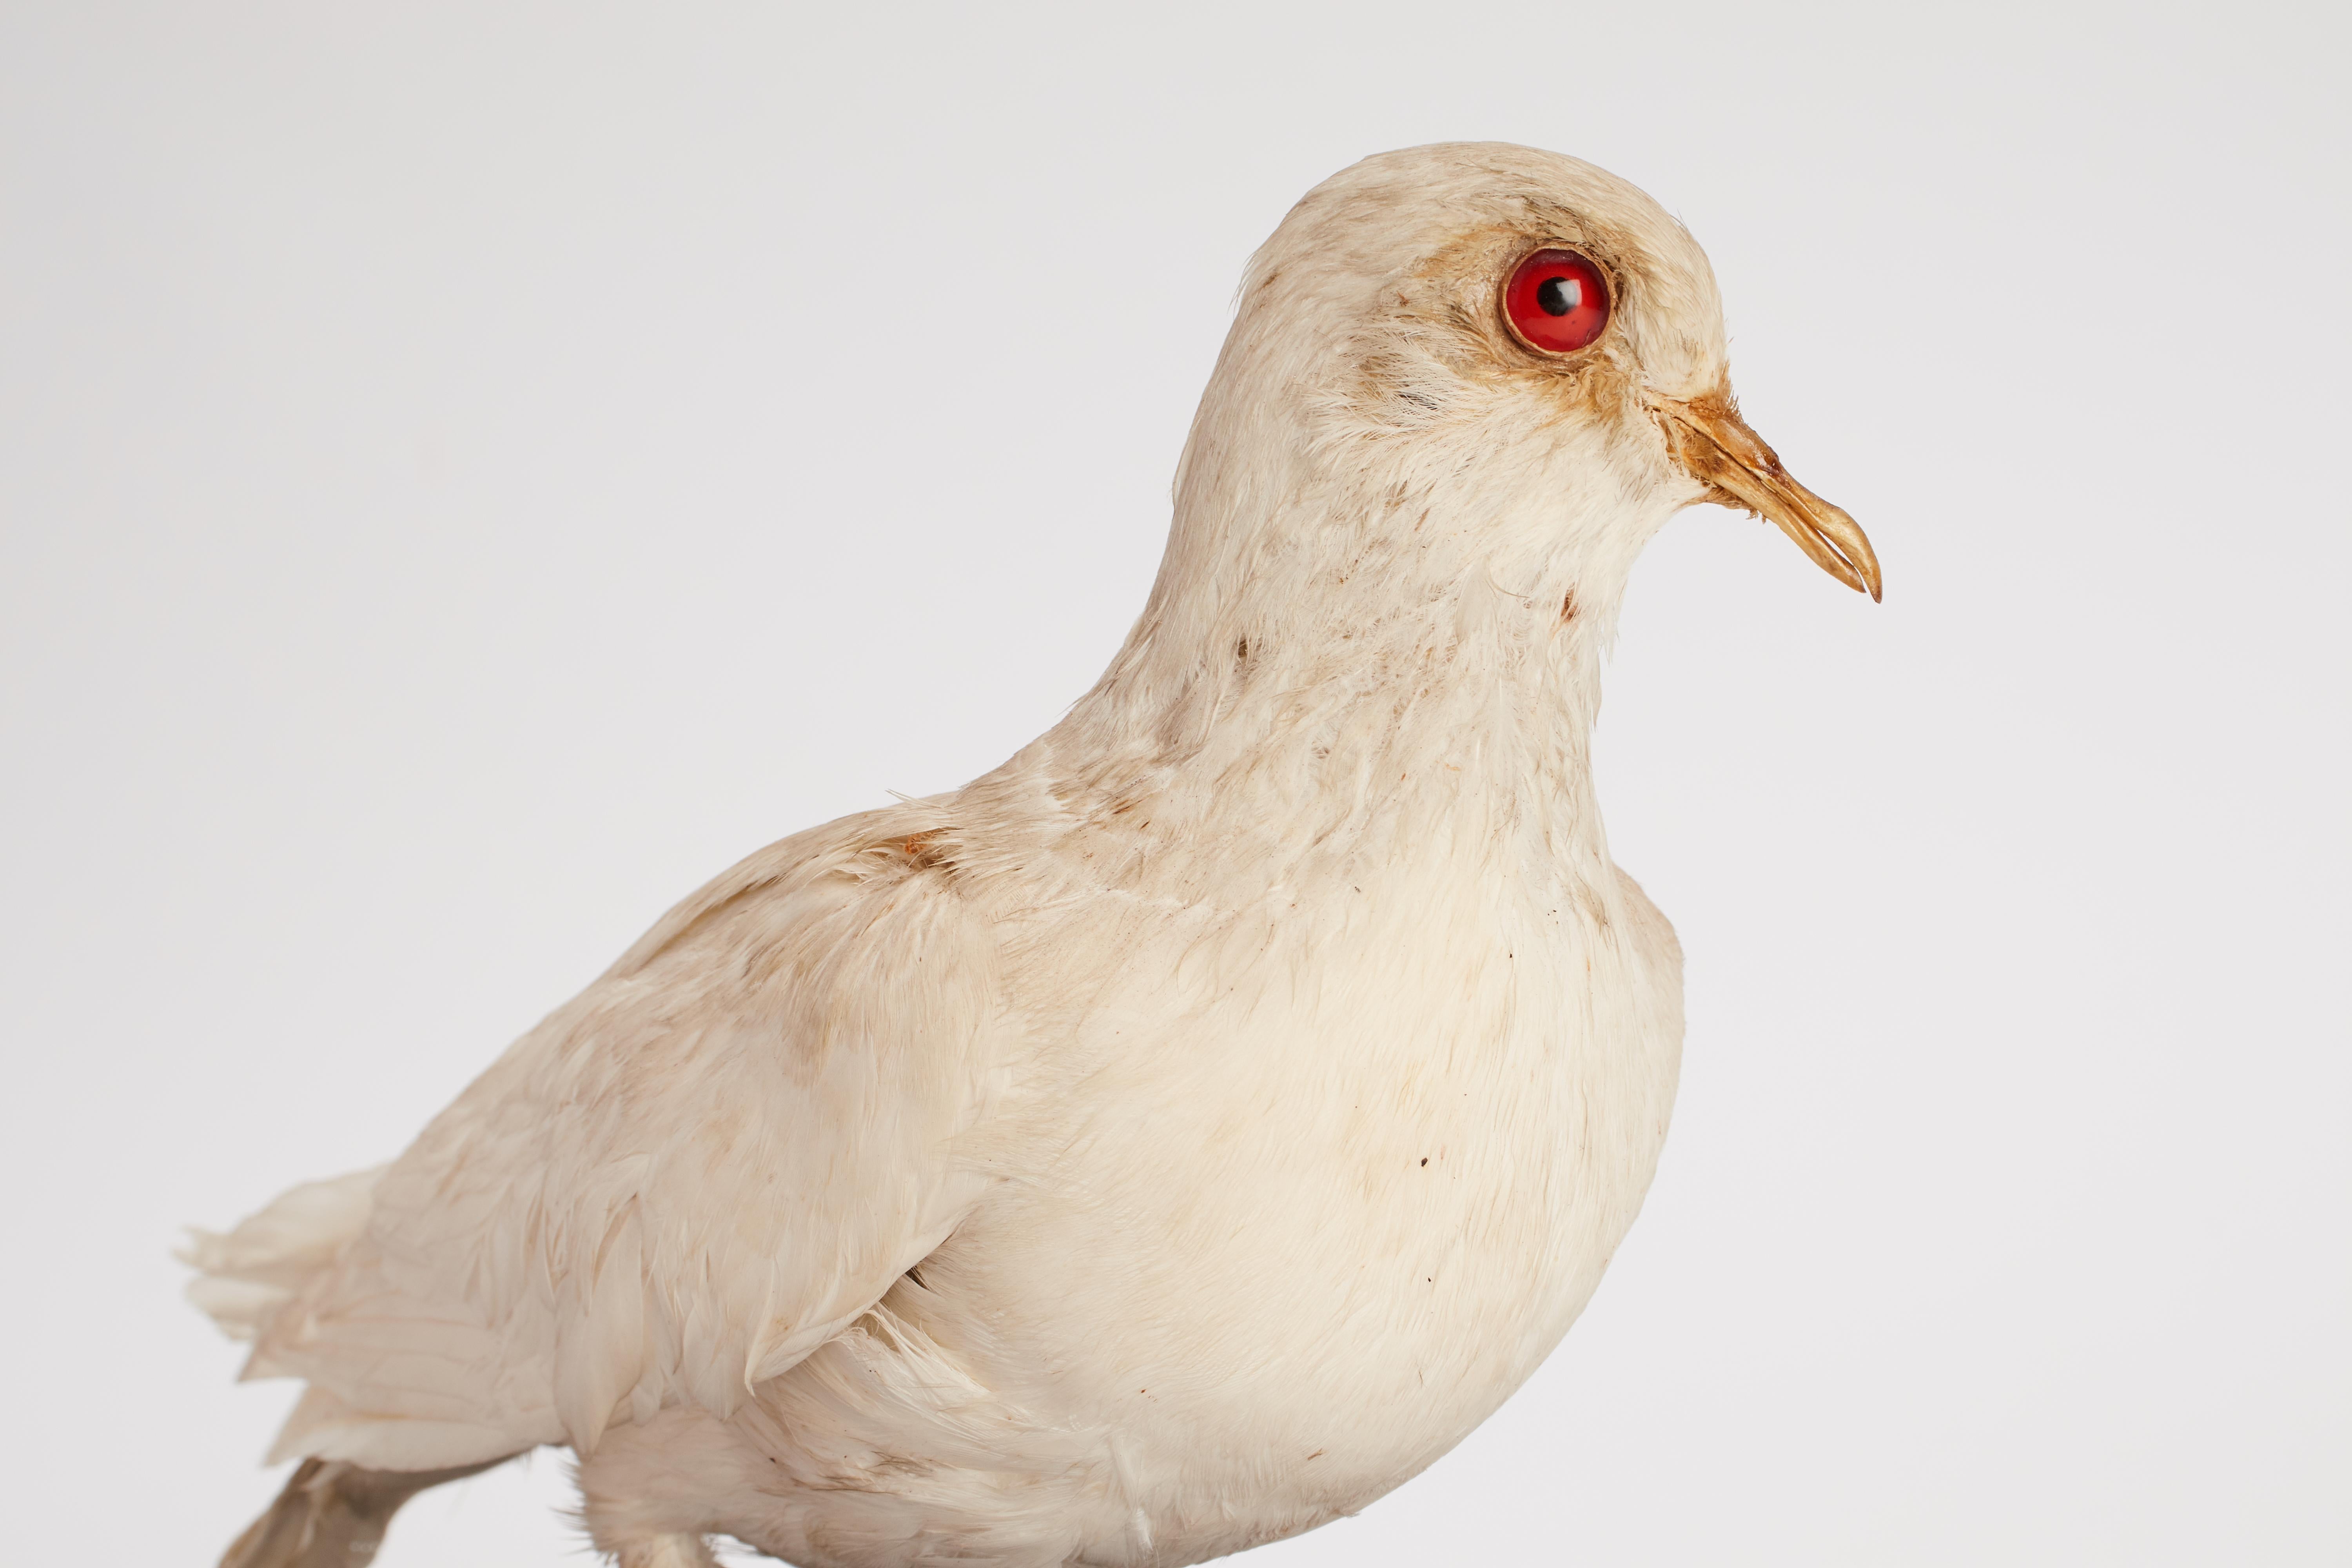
<point>1559,296</point>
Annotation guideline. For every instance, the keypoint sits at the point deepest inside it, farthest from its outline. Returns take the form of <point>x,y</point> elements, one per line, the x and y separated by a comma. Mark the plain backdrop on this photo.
<point>471,473</point>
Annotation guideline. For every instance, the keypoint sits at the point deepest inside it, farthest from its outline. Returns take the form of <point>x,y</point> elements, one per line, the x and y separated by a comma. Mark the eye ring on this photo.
<point>1557,301</point>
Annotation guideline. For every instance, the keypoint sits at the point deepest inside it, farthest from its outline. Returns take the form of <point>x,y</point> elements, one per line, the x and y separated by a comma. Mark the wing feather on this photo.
<point>680,1184</point>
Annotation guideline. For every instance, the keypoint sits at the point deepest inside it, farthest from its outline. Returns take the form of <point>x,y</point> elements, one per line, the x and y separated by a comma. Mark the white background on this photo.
<point>471,473</point>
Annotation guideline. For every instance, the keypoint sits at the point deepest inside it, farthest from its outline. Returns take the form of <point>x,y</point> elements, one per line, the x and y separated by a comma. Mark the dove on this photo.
<point>1184,1134</point>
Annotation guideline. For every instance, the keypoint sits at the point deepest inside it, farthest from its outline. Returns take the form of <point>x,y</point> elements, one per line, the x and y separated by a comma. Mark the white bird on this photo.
<point>1184,1134</point>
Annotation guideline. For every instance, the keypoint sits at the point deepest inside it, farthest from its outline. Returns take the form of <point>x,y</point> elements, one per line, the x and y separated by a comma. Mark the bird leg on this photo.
<point>667,1552</point>
<point>333,1515</point>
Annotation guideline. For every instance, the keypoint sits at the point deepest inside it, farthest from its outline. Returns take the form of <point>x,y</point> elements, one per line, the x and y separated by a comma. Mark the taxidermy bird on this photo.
<point>1184,1134</point>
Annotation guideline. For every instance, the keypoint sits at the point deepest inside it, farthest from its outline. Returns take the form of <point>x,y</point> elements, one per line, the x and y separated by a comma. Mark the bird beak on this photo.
<point>1715,447</point>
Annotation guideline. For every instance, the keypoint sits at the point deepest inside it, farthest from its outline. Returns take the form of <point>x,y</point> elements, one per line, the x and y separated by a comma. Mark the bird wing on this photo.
<point>703,1167</point>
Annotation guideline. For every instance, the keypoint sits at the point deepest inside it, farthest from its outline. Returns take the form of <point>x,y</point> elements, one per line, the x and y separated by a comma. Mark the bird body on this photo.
<point>1181,1135</point>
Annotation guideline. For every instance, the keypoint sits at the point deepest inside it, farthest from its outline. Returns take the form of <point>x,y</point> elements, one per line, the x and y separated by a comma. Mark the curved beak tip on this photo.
<point>1714,446</point>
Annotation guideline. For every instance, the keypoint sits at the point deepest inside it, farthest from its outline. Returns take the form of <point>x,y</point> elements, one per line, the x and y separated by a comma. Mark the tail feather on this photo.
<point>245,1276</point>
<point>262,1281</point>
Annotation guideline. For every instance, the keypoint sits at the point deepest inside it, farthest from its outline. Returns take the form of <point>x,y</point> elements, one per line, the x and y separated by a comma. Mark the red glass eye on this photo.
<point>1556,300</point>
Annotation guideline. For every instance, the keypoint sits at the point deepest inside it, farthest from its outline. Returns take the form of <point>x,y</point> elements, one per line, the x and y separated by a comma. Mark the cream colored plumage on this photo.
<point>1182,1135</point>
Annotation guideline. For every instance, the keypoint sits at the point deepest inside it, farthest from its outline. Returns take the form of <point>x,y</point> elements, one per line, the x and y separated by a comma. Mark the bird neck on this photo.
<point>1384,683</point>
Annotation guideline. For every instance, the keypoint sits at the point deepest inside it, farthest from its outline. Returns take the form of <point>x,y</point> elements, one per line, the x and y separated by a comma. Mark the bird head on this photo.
<point>1477,358</point>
